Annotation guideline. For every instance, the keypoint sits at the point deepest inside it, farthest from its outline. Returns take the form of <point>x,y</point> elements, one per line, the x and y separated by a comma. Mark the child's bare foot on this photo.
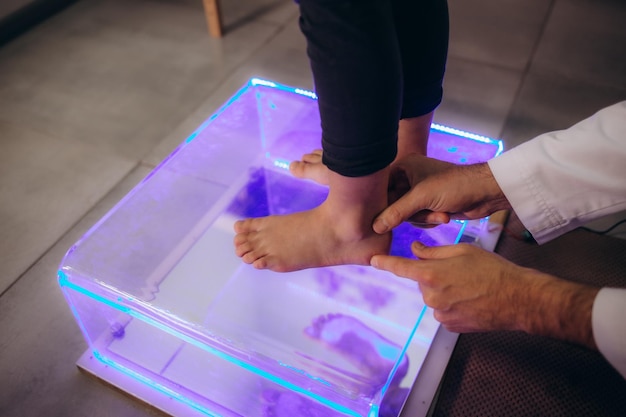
<point>339,231</point>
<point>306,239</point>
<point>311,167</point>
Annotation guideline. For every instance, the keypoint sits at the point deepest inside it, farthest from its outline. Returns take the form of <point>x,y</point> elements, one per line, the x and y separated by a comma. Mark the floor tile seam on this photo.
<point>528,66</point>
<point>35,129</point>
<point>71,140</point>
<point>39,131</point>
<point>242,62</point>
<point>146,164</point>
<point>287,20</point>
<point>62,236</point>
<point>142,157</point>
<point>278,28</point>
<point>128,33</point>
<point>262,19</point>
<point>181,4</point>
<point>94,19</point>
<point>484,63</point>
<point>232,71</point>
<point>545,71</point>
<point>221,81</point>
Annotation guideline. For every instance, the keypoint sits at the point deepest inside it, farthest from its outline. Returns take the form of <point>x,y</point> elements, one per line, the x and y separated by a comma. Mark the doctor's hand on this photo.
<point>473,290</point>
<point>409,171</point>
<point>431,192</point>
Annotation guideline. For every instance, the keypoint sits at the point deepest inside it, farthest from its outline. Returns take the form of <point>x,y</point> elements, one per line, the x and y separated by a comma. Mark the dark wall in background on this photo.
<point>28,16</point>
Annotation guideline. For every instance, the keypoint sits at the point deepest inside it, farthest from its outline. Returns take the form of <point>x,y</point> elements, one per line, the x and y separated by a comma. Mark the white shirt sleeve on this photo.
<point>561,180</point>
<point>607,322</point>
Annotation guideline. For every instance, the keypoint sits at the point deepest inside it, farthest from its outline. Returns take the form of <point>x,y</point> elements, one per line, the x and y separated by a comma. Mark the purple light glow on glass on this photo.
<point>159,292</point>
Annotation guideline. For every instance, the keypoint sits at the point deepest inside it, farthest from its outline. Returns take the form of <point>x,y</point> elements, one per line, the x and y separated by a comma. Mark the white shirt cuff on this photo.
<point>608,321</point>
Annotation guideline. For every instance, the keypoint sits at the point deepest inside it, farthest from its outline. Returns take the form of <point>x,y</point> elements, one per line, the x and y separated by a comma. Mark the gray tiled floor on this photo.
<point>96,96</point>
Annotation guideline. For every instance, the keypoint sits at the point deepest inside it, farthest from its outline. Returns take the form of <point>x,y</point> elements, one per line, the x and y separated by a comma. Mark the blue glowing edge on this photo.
<point>433,126</point>
<point>64,281</point>
<point>271,84</point>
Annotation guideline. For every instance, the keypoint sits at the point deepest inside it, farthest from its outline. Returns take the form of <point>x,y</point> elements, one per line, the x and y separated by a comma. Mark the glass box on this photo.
<point>161,297</point>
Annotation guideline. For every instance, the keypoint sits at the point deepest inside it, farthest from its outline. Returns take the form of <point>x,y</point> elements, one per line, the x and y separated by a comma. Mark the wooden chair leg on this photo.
<point>213,17</point>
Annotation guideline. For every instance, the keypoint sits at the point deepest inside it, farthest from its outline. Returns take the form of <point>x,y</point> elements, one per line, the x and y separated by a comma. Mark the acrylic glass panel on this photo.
<point>160,295</point>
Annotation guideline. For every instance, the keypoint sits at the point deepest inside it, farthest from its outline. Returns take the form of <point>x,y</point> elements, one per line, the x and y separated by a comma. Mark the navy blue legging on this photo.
<point>373,62</point>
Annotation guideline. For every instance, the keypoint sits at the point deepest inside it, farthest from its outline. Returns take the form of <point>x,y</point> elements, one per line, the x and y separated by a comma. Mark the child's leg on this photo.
<point>412,138</point>
<point>413,135</point>
<point>421,31</point>
<point>356,66</point>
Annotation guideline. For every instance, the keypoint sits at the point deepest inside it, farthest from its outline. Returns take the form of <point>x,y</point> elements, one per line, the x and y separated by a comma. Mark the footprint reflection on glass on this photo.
<point>290,404</point>
<point>371,353</point>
